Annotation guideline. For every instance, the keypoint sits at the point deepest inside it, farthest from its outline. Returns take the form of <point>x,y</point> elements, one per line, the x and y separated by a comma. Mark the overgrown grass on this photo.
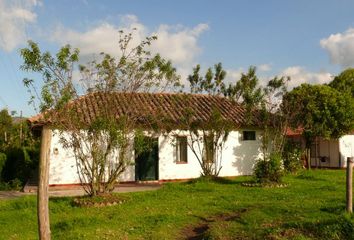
<point>311,207</point>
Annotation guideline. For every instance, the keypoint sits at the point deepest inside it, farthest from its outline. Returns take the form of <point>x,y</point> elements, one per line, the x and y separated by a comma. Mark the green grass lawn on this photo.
<point>311,207</point>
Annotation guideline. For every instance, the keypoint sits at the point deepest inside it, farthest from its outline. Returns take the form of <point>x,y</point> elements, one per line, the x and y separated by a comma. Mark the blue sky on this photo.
<point>310,41</point>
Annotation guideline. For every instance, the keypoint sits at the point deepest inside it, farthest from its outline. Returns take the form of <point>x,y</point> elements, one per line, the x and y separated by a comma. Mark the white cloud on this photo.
<point>176,43</point>
<point>340,47</point>
<point>265,67</point>
<point>15,16</point>
<point>233,75</point>
<point>300,75</point>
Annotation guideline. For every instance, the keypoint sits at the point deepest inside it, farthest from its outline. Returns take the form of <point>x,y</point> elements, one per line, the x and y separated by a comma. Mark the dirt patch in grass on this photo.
<point>200,230</point>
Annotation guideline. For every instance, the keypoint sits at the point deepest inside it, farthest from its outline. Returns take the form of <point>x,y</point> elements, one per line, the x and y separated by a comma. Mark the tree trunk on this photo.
<point>350,161</point>
<point>42,195</point>
<point>308,143</point>
<point>308,158</point>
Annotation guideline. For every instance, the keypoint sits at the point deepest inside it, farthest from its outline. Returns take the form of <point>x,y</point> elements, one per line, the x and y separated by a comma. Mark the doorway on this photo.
<point>147,159</point>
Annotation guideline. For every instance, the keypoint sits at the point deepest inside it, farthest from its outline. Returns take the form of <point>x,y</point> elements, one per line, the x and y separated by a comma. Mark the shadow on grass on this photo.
<point>211,179</point>
<point>336,209</point>
<point>341,227</point>
<point>309,175</point>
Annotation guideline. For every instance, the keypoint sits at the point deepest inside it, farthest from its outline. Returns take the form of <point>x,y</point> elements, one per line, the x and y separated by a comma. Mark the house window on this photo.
<point>181,149</point>
<point>249,135</point>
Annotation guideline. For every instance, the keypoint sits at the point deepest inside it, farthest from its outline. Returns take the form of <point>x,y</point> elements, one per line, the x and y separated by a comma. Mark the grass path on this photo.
<point>311,207</point>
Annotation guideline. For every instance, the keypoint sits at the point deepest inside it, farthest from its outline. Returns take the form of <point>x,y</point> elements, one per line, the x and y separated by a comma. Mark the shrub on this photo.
<point>292,158</point>
<point>269,170</point>
<point>14,184</point>
<point>2,162</point>
<point>20,163</point>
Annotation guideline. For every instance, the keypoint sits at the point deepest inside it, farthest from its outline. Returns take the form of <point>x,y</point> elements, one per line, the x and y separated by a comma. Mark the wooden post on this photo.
<point>42,195</point>
<point>350,161</point>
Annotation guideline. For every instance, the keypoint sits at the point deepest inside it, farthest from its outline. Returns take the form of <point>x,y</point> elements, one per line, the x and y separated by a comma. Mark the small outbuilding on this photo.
<point>327,153</point>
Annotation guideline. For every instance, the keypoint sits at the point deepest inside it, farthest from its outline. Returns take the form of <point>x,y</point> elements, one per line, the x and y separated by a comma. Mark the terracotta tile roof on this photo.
<point>294,132</point>
<point>168,106</point>
<point>298,132</point>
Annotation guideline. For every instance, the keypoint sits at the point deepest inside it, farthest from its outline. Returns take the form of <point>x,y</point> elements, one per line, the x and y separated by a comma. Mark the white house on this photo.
<point>171,159</point>
<point>328,153</point>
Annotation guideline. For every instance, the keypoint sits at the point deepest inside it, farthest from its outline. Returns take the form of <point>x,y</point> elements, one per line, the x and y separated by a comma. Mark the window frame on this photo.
<point>178,149</point>
<point>246,133</point>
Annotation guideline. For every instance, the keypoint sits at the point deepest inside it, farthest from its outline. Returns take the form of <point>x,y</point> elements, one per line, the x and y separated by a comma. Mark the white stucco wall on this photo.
<point>346,148</point>
<point>63,170</point>
<point>328,148</point>
<point>62,167</point>
<point>238,158</point>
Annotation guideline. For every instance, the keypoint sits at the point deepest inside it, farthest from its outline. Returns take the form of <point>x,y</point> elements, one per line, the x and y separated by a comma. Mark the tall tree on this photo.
<point>5,128</point>
<point>135,70</point>
<point>246,90</point>
<point>266,102</point>
<point>212,83</point>
<point>344,82</point>
<point>207,140</point>
<point>101,150</point>
<point>321,111</point>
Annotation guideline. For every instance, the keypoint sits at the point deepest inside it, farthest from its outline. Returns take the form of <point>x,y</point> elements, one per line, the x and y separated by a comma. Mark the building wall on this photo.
<point>336,150</point>
<point>238,158</point>
<point>63,170</point>
<point>62,166</point>
<point>346,146</point>
<point>327,153</point>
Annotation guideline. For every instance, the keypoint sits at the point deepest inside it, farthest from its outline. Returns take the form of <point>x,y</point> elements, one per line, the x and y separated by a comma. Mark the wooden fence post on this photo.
<point>42,194</point>
<point>350,161</point>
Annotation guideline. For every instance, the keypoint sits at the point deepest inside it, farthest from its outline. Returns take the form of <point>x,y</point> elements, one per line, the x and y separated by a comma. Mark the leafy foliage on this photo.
<point>207,139</point>
<point>21,163</point>
<point>344,82</point>
<point>212,83</point>
<point>102,147</point>
<point>135,70</point>
<point>58,85</point>
<point>292,157</point>
<point>269,170</point>
<point>2,163</point>
<point>263,102</point>
<point>321,111</point>
<point>5,127</point>
<point>19,151</point>
<point>246,90</point>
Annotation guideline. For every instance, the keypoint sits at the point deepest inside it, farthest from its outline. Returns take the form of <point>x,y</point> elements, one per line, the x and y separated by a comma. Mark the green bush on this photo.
<point>14,184</point>
<point>20,164</point>
<point>2,162</point>
<point>269,170</point>
<point>292,158</point>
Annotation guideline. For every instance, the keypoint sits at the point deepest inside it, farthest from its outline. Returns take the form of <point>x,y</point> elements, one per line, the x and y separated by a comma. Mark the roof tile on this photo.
<point>168,106</point>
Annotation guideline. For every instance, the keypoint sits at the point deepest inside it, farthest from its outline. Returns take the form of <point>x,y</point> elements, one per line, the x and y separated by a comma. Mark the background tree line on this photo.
<point>19,151</point>
<point>101,150</point>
